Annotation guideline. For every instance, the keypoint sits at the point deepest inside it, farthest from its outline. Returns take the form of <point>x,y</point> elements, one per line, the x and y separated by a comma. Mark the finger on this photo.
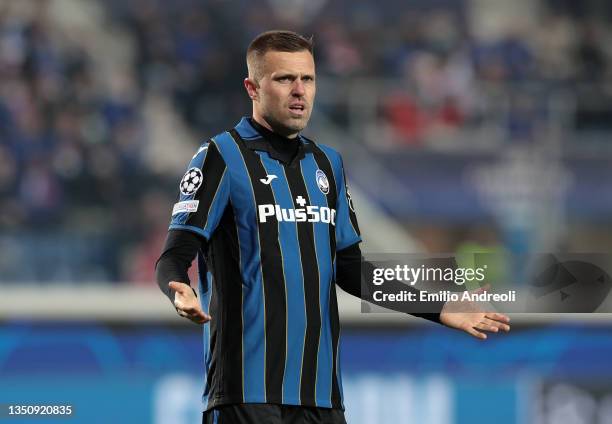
<point>498,317</point>
<point>476,333</point>
<point>486,327</point>
<point>197,320</point>
<point>200,318</point>
<point>496,324</point>
<point>196,312</point>
<point>181,306</point>
<point>200,314</point>
<point>191,310</point>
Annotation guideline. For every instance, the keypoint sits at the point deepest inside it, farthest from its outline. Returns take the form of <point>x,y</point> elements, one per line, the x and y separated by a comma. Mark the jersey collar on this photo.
<point>255,141</point>
<point>246,130</point>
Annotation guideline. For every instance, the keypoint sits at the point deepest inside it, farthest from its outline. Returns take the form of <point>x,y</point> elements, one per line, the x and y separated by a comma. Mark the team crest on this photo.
<point>191,182</point>
<point>322,181</point>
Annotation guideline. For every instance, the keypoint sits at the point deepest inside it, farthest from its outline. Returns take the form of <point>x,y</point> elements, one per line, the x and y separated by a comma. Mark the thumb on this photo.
<point>178,287</point>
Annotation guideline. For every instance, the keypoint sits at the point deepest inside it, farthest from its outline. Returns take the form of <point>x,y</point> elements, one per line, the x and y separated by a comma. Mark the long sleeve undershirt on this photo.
<point>182,246</point>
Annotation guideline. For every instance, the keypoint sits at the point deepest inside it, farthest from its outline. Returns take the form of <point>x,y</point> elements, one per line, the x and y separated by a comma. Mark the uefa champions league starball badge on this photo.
<point>322,181</point>
<point>191,182</point>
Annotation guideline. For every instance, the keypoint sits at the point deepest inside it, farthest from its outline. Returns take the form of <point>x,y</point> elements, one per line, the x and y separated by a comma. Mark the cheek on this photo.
<point>311,91</point>
<point>273,98</point>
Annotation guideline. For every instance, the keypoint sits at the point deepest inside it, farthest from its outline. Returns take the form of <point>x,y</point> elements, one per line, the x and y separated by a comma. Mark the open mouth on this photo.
<point>297,108</point>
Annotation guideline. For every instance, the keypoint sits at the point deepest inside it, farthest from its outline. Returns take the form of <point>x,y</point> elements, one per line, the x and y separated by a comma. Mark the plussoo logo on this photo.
<point>304,213</point>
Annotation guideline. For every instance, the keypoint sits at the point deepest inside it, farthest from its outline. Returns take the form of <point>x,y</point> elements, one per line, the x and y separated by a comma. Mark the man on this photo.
<point>269,216</point>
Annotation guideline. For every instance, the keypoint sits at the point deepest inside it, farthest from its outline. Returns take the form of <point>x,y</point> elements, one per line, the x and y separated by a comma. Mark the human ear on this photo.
<point>251,87</point>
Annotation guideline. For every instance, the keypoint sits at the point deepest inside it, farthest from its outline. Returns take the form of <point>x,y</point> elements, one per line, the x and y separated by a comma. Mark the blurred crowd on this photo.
<point>453,78</point>
<point>442,68</point>
<point>72,163</point>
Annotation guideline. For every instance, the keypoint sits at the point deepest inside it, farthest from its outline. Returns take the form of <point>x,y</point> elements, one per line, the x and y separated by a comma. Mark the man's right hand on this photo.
<point>187,304</point>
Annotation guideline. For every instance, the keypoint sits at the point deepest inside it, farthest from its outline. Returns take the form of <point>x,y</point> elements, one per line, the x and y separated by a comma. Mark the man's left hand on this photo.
<point>469,317</point>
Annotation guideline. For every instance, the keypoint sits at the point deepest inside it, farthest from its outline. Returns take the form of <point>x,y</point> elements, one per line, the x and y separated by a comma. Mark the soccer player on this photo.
<point>269,216</point>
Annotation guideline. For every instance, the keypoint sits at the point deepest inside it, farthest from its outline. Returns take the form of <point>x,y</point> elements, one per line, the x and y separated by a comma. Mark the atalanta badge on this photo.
<point>322,181</point>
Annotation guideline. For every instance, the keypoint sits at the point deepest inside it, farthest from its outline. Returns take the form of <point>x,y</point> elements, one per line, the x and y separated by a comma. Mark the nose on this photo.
<point>298,88</point>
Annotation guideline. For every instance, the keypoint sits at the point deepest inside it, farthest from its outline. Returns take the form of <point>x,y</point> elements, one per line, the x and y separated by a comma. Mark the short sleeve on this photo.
<point>203,193</point>
<point>347,228</point>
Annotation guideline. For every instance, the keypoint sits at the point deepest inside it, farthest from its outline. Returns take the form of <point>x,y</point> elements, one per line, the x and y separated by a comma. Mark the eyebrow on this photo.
<point>292,75</point>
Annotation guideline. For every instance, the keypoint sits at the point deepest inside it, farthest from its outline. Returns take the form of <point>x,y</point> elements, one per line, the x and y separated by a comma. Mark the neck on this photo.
<point>283,148</point>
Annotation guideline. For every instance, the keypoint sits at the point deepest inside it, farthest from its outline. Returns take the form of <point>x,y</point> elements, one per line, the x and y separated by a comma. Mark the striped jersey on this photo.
<point>267,273</point>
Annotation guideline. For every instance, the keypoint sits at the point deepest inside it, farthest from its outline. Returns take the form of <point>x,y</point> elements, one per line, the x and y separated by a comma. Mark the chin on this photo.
<point>297,124</point>
<point>290,125</point>
<point>296,128</point>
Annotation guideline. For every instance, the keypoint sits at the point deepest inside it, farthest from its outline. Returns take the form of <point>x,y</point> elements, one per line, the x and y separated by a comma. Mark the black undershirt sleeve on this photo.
<point>181,248</point>
<point>179,251</point>
<point>349,274</point>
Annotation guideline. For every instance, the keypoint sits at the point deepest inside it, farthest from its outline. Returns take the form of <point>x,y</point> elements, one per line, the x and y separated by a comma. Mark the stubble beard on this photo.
<point>288,126</point>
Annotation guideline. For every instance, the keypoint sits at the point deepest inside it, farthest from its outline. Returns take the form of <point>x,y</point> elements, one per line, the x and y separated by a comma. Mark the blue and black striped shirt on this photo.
<point>268,274</point>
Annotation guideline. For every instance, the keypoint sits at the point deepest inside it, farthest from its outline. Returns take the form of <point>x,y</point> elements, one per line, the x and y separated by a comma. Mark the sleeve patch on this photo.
<point>188,206</point>
<point>191,181</point>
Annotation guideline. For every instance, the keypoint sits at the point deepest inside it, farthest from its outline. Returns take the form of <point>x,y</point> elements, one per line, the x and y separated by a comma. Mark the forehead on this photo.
<point>300,62</point>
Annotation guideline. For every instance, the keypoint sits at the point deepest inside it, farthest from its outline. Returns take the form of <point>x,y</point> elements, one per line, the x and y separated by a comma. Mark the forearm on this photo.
<point>178,253</point>
<point>352,270</point>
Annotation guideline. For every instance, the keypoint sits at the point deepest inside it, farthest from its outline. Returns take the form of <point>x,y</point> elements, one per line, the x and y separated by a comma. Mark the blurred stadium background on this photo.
<point>465,125</point>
